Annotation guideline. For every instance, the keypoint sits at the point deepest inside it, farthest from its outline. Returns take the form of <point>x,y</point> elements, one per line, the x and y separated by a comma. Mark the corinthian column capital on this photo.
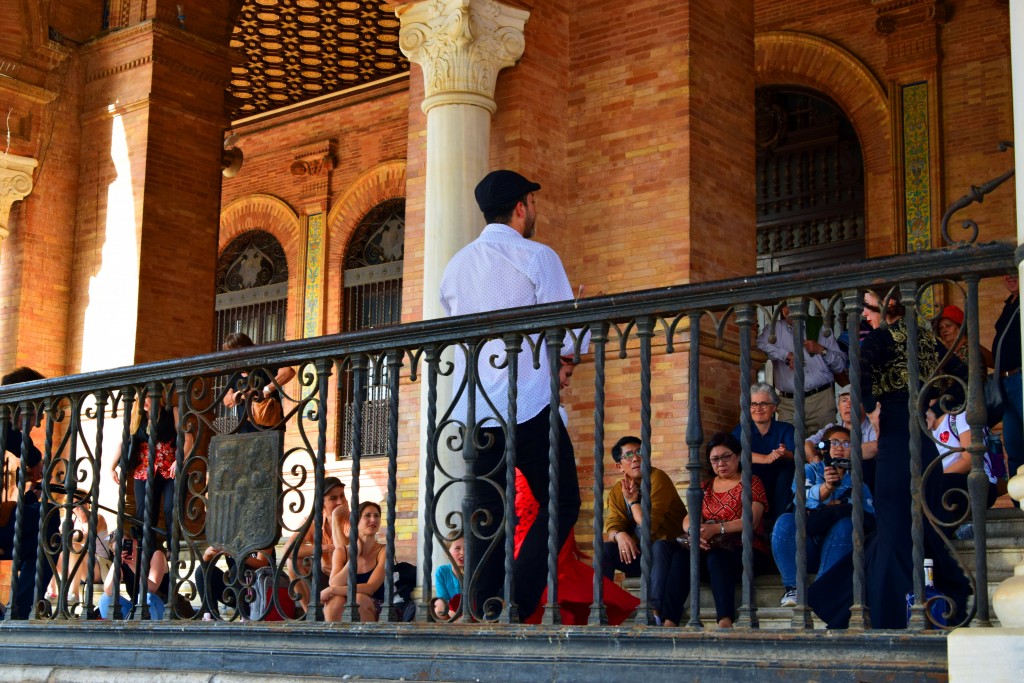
<point>461,46</point>
<point>15,184</point>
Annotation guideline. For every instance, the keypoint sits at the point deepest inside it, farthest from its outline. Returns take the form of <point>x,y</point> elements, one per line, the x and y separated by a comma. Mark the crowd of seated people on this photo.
<point>828,489</point>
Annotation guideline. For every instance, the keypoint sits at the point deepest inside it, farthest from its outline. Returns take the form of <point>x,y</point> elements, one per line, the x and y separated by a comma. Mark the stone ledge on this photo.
<point>517,654</point>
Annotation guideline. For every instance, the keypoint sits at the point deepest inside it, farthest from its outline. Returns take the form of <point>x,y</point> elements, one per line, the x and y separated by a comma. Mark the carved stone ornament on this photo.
<point>313,167</point>
<point>15,184</point>
<point>894,14</point>
<point>245,492</point>
<point>461,46</point>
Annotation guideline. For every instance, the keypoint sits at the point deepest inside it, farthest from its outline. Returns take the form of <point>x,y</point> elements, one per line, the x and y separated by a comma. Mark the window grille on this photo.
<point>372,298</point>
<point>252,297</point>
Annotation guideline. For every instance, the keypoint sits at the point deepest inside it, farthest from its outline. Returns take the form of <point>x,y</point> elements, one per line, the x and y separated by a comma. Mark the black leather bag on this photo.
<point>993,400</point>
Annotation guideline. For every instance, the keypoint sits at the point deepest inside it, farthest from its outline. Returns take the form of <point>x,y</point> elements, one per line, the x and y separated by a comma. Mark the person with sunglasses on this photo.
<point>622,510</point>
<point>828,487</point>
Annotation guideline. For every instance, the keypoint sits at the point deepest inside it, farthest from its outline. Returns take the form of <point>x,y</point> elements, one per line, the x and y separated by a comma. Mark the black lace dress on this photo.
<point>888,553</point>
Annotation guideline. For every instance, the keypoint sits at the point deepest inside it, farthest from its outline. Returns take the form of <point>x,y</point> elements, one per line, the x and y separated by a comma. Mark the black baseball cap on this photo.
<point>332,482</point>
<point>500,188</point>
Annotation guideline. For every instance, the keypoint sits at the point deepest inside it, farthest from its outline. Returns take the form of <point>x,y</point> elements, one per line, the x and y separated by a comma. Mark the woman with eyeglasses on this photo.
<point>721,549</point>
<point>828,488</point>
<point>888,554</point>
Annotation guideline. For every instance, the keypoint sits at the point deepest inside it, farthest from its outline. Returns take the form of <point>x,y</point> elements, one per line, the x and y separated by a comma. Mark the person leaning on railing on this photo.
<point>271,385</point>
<point>720,540</point>
<point>888,553</point>
<point>828,487</point>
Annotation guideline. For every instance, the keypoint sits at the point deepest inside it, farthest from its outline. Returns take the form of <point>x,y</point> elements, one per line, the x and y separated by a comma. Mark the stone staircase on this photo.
<point>1005,528</point>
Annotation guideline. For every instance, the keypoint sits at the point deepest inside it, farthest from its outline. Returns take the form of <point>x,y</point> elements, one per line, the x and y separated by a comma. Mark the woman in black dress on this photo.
<point>888,554</point>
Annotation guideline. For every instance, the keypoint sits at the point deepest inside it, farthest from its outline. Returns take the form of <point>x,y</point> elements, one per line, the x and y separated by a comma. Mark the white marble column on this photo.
<point>995,655</point>
<point>15,184</point>
<point>461,45</point>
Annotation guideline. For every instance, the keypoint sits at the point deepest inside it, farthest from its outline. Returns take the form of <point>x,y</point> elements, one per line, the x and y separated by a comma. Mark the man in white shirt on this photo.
<point>822,358</point>
<point>503,269</point>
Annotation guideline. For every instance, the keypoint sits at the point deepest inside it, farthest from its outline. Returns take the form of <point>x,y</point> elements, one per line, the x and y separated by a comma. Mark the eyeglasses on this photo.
<point>834,443</point>
<point>629,455</point>
<point>722,458</point>
<point>758,405</point>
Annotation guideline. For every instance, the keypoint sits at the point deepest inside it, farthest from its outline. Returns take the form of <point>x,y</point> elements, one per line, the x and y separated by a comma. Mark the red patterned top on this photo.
<point>728,505</point>
<point>164,459</point>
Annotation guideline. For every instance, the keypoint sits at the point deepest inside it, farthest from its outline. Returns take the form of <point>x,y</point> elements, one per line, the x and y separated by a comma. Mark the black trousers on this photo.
<point>531,458</point>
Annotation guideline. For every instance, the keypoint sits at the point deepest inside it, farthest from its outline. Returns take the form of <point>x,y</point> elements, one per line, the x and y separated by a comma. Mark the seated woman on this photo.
<point>369,567</point>
<point>156,586</point>
<point>947,329</point>
<point>79,554</point>
<point>951,434</point>
<point>721,551</point>
<point>828,489</point>
<point>447,579</point>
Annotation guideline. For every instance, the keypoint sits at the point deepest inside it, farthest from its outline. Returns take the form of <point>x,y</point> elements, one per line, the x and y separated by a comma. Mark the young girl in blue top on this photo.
<point>447,580</point>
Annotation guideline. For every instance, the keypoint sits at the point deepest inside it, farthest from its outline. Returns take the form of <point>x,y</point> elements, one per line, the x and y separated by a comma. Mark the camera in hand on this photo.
<point>838,463</point>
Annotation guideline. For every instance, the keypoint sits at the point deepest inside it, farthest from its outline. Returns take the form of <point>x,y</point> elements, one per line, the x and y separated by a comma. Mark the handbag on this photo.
<point>268,412</point>
<point>731,540</point>
<point>821,519</point>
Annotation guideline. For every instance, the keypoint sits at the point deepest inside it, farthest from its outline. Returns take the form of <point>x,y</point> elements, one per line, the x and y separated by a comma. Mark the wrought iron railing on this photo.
<point>69,417</point>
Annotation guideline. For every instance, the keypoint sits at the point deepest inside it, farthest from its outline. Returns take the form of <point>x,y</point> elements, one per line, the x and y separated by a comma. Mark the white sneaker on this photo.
<point>789,598</point>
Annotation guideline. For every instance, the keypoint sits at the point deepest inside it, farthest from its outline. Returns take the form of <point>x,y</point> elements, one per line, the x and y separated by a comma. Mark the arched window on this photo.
<point>810,182</point>
<point>372,298</point>
<point>252,288</point>
<point>252,297</point>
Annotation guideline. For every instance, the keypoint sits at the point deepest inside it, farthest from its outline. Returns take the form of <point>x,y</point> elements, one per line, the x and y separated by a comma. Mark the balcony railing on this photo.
<point>242,494</point>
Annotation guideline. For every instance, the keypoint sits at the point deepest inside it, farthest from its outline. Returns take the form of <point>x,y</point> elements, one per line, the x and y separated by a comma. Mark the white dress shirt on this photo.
<point>818,369</point>
<point>502,269</point>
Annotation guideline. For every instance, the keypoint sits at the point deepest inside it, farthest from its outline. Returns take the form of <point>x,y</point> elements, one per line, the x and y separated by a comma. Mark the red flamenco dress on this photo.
<point>575,577</point>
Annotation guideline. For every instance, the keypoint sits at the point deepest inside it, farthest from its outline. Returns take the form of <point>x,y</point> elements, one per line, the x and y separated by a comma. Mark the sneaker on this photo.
<point>789,597</point>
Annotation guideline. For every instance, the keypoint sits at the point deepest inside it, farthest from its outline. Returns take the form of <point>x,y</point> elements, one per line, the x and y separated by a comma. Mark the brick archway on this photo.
<point>382,182</point>
<point>791,58</point>
<point>273,215</point>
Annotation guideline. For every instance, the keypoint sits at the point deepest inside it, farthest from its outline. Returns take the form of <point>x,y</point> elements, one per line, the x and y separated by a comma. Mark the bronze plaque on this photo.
<point>243,510</point>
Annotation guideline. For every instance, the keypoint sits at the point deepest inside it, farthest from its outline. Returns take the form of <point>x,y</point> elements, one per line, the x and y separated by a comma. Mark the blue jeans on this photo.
<point>156,606</point>
<point>1013,424</point>
<point>822,552</point>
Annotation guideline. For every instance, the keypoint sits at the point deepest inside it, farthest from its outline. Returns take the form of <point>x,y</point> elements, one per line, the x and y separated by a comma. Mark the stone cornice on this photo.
<point>892,15</point>
<point>154,37</point>
<point>461,46</point>
<point>15,184</point>
<point>21,90</point>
